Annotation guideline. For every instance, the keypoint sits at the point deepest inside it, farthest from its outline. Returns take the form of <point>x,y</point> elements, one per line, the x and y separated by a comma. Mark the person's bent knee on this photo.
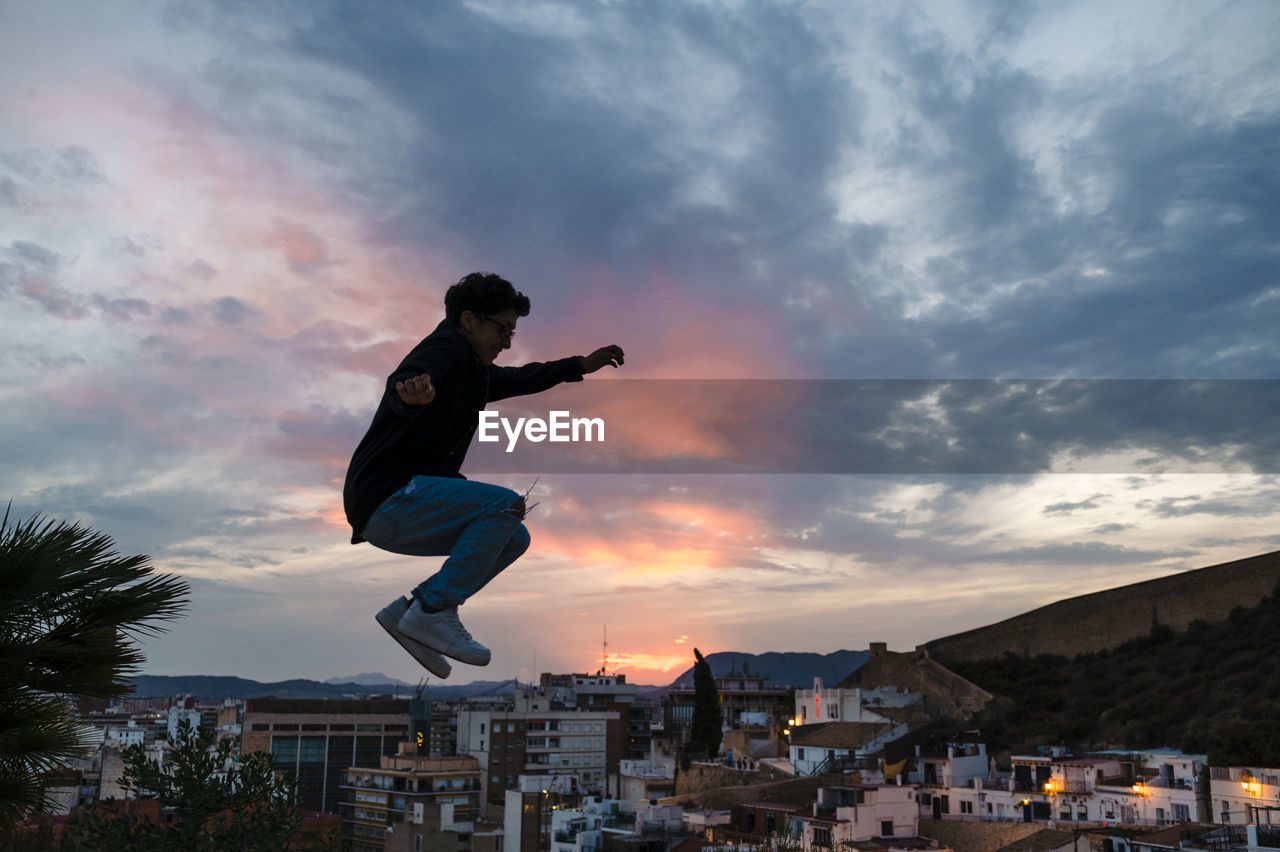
<point>517,509</point>
<point>519,541</point>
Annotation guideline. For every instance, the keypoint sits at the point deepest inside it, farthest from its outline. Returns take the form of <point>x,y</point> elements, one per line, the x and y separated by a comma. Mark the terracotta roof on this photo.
<point>886,844</point>
<point>1172,837</point>
<point>1045,840</point>
<point>838,734</point>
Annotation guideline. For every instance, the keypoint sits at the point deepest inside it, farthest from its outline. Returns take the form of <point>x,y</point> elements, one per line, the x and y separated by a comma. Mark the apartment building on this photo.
<point>744,698</point>
<point>410,802</point>
<point>535,735</point>
<point>858,812</point>
<point>610,692</point>
<point>319,739</point>
<point>1245,795</point>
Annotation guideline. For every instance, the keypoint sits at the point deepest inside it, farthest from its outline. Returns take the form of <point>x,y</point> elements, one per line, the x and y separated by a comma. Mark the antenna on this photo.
<point>604,652</point>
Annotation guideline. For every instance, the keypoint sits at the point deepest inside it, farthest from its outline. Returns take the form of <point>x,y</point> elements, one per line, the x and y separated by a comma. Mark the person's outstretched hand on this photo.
<point>610,354</point>
<point>416,391</point>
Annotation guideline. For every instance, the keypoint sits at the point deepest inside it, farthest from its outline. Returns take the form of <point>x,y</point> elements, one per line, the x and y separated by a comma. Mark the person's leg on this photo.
<point>477,525</point>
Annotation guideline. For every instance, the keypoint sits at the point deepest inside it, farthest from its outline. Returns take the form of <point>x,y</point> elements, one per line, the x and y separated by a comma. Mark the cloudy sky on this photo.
<point>222,225</point>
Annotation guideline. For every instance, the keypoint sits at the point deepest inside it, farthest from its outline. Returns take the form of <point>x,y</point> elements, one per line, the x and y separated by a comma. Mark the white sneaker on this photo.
<point>389,617</point>
<point>444,632</point>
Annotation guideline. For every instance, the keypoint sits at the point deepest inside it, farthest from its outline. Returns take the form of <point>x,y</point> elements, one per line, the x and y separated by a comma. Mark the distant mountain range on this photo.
<point>783,669</point>
<point>375,678</point>
<point>786,668</point>
<point>216,688</point>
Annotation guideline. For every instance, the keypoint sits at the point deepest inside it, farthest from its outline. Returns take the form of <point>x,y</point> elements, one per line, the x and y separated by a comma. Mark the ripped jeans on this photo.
<point>473,523</point>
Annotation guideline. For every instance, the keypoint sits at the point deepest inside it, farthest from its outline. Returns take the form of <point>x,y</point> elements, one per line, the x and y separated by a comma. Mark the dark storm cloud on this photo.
<point>29,273</point>
<point>1112,529</point>
<point>122,309</point>
<point>232,311</point>
<point>593,147</point>
<point>8,193</point>
<point>583,144</point>
<point>1080,552</point>
<point>73,165</point>
<point>1068,508</point>
<point>1259,505</point>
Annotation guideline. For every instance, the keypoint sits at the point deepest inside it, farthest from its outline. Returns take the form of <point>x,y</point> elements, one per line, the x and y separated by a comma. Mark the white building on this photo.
<point>176,716</point>
<point>1245,795</point>
<point>817,747</point>
<point>858,812</point>
<point>849,705</point>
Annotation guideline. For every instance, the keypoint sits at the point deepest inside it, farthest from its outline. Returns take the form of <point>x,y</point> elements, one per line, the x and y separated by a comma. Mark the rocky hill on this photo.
<point>1102,620</point>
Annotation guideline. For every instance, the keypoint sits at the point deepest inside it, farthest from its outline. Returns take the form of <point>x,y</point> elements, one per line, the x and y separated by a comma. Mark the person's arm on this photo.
<point>414,384</point>
<point>507,382</point>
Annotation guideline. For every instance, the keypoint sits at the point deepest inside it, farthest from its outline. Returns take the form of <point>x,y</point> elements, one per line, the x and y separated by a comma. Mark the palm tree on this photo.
<point>69,609</point>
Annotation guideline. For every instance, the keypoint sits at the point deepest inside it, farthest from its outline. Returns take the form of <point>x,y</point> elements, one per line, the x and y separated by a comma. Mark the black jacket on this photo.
<point>405,441</point>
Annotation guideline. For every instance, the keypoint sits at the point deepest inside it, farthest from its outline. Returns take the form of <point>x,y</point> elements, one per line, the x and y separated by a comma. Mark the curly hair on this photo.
<point>483,293</point>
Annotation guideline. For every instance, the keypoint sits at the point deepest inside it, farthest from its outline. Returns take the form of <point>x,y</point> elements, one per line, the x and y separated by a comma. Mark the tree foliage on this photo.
<point>220,802</point>
<point>706,729</point>
<point>1204,690</point>
<point>69,611</point>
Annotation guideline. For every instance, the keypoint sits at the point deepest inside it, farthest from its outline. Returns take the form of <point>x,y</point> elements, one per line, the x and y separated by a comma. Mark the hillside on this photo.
<point>1208,689</point>
<point>1094,622</point>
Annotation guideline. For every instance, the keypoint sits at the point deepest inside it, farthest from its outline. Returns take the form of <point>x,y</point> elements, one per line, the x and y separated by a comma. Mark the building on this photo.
<point>835,746</point>
<point>319,739</point>
<point>410,802</point>
<point>822,704</point>
<point>946,695</point>
<point>754,823</point>
<point>858,812</point>
<point>535,734</point>
<point>609,692</point>
<point>440,736</point>
<point>529,809</point>
<point>744,699</point>
<point>1245,795</point>
<point>641,781</point>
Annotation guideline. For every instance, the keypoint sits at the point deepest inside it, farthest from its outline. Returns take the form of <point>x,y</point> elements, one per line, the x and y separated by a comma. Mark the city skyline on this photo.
<point>222,226</point>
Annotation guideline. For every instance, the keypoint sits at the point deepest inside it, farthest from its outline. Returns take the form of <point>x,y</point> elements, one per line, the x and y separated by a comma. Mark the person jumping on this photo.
<point>404,492</point>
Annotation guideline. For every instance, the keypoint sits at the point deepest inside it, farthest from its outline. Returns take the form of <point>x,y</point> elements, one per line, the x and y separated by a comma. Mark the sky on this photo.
<point>223,224</point>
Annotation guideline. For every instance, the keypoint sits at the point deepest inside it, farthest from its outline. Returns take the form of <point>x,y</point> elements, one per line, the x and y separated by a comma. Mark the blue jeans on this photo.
<point>464,520</point>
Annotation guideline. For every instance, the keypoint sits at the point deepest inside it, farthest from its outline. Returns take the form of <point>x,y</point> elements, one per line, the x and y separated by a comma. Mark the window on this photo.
<point>886,828</point>
<point>1159,816</point>
<point>821,837</point>
<point>966,807</point>
<point>1181,813</point>
<point>799,754</point>
<point>1082,813</point>
<point>482,727</point>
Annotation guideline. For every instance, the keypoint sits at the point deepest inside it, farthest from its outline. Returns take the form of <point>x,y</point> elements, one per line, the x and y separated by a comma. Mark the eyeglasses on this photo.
<point>505,331</point>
